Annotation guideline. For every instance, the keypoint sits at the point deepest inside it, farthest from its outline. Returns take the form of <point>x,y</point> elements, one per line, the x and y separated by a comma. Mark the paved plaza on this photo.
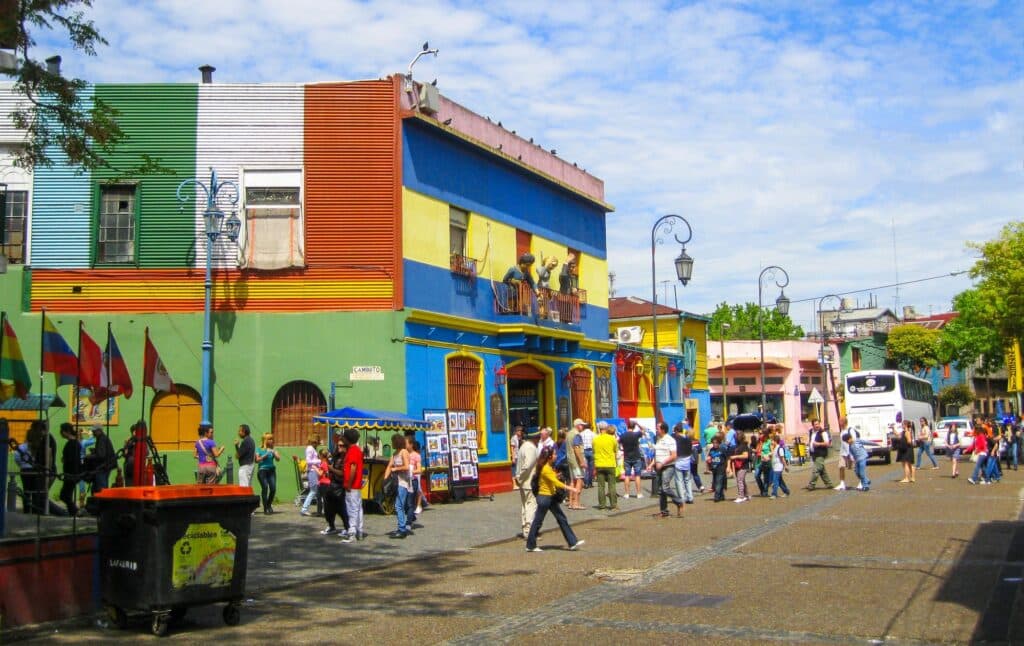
<point>939,561</point>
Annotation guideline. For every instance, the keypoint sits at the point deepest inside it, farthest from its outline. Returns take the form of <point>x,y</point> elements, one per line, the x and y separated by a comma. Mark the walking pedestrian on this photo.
<point>859,455</point>
<point>981,456</point>
<point>905,451</point>
<point>953,449</point>
<point>526,466</point>
<point>412,508</point>
<point>587,435</point>
<point>684,460</point>
<point>267,472</point>
<point>576,463</point>
<point>545,486</point>
<point>606,448</point>
<point>633,457</point>
<point>323,482</point>
<point>399,464</point>
<point>695,464</point>
<point>312,474</point>
<point>352,484</point>
<point>820,441</point>
<point>717,461</point>
<point>924,444</point>
<point>764,466</point>
<point>663,466</point>
<point>513,448</point>
<point>71,458</point>
<point>207,453</point>
<point>336,499</point>
<point>845,460</point>
<point>103,458</point>
<point>739,461</point>
<point>780,463</point>
<point>245,453</point>
<point>992,471</point>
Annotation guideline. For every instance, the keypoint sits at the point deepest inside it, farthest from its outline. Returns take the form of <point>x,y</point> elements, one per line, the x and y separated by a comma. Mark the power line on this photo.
<point>871,289</point>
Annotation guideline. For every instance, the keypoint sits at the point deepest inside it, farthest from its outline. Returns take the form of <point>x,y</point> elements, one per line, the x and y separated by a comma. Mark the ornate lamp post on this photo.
<point>771,272</point>
<point>684,271</point>
<point>825,359</point>
<point>721,354</point>
<point>216,225</point>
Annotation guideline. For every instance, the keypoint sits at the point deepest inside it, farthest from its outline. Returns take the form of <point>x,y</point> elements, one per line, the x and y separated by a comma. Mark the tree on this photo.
<point>970,337</point>
<point>742,320</point>
<point>54,113</point>
<point>1000,286</point>
<point>955,396</point>
<point>914,348</point>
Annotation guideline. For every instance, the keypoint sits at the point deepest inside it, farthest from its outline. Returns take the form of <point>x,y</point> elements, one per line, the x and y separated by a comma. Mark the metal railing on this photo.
<point>519,299</point>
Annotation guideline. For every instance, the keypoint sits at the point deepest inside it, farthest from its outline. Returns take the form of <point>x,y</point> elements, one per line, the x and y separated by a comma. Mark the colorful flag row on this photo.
<point>103,372</point>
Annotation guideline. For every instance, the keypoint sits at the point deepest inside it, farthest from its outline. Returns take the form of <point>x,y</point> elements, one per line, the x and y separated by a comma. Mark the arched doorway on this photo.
<point>174,419</point>
<point>530,396</point>
<point>582,394</point>
<point>292,412</point>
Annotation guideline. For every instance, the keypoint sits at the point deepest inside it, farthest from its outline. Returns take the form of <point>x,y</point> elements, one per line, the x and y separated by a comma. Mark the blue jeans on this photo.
<point>313,479</point>
<point>718,482</point>
<point>268,486</point>
<point>545,504</point>
<point>860,467</point>
<point>923,450</point>
<point>1013,455</point>
<point>410,504</point>
<point>979,467</point>
<point>695,472</point>
<point>401,500</point>
<point>588,475</point>
<point>778,482</point>
<point>684,484</point>
<point>992,470</point>
<point>665,485</point>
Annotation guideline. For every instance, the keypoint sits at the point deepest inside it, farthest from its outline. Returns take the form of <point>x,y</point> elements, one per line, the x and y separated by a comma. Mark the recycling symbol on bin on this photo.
<point>186,548</point>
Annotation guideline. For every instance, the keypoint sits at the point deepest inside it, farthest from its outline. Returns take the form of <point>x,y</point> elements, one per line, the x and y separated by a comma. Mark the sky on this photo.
<point>853,144</point>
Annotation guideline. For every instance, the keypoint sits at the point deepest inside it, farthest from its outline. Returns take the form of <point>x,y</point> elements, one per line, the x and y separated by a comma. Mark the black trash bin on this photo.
<point>165,549</point>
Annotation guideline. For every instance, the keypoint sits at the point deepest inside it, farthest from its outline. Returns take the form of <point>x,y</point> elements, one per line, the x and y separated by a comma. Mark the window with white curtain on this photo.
<point>273,231</point>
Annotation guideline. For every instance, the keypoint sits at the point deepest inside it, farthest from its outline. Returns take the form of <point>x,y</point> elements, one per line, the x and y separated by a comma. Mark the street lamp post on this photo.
<point>684,271</point>
<point>825,358</point>
<point>721,354</point>
<point>216,225</point>
<point>770,272</point>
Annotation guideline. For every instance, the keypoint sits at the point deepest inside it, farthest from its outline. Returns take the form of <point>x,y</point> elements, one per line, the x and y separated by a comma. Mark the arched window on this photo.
<point>582,406</point>
<point>175,417</point>
<point>292,413</point>
<point>464,384</point>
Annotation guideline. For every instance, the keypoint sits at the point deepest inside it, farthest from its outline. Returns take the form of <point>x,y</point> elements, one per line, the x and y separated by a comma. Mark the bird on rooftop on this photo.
<point>448,121</point>
<point>426,45</point>
<point>434,82</point>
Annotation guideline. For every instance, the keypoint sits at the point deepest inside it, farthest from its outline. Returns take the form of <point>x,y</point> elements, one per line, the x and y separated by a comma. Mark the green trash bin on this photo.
<point>165,549</point>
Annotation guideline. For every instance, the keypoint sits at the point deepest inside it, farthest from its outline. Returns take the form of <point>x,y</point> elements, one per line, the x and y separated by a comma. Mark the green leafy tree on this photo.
<point>743,324</point>
<point>53,113</point>
<point>1000,287</point>
<point>914,348</point>
<point>955,396</point>
<point>970,337</point>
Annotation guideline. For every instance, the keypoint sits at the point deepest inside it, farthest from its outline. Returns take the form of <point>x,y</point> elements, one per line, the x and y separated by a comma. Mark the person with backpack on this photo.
<point>684,462</point>
<point>550,491</point>
<point>763,451</point>
<point>739,461</point>
<point>780,463</point>
<point>820,442</point>
<point>717,461</point>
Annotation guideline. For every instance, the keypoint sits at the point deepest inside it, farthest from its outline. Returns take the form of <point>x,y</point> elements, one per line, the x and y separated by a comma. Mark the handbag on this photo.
<point>218,472</point>
<point>559,496</point>
<point>390,486</point>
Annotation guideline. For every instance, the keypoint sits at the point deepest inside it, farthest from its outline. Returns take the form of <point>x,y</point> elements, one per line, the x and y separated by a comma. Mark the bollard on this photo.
<point>230,471</point>
<point>12,495</point>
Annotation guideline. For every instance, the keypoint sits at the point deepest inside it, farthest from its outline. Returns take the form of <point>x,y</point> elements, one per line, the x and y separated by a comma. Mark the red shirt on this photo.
<point>353,456</point>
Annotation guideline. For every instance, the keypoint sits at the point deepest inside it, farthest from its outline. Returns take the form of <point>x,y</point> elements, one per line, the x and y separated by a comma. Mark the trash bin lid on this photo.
<point>174,492</point>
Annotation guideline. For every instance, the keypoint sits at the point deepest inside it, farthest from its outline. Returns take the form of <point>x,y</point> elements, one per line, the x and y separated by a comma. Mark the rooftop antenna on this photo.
<point>611,284</point>
<point>895,263</point>
<point>423,52</point>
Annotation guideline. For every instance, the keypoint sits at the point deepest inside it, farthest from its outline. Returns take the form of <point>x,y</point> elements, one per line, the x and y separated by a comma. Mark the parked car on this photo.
<point>963,425</point>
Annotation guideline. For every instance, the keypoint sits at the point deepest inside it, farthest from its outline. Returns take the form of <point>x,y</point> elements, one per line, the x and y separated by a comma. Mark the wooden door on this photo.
<point>174,424</point>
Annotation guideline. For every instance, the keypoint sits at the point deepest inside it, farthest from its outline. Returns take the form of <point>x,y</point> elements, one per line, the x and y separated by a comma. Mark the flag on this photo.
<point>57,355</point>
<point>154,372</point>
<point>90,361</point>
<point>114,377</point>
<point>12,366</point>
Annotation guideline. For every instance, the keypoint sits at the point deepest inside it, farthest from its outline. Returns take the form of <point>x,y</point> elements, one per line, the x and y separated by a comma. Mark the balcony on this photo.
<point>544,304</point>
<point>463,265</point>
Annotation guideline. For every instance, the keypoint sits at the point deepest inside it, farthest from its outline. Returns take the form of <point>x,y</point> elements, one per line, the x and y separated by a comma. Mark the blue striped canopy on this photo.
<point>359,419</point>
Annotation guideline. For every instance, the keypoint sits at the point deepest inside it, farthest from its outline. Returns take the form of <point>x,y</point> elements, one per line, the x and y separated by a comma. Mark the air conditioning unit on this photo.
<point>430,99</point>
<point>633,334</point>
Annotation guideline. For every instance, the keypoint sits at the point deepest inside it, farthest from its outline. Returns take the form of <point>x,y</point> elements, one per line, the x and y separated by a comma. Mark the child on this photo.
<point>779,464</point>
<point>323,481</point>
<point>859,455</point>
<point>718,461</point>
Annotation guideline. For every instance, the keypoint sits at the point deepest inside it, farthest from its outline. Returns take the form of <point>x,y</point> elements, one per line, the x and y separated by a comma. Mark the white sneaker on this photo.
<point>536,549</point>
<point>419,510</point>
<point>326,531</point>
<point>573,548</point>
<point>625,495</point>
<point>639,495</point>
<point>860,487</point>
<point>840,487</point>
<point>741,500</point>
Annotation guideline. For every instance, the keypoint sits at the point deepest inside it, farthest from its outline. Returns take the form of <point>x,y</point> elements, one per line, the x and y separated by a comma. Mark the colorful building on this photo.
<point>682,387</point>
<point>379,222</point>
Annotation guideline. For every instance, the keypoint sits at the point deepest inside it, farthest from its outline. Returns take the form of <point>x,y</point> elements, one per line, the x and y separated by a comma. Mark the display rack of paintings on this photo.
<point>452,457</point>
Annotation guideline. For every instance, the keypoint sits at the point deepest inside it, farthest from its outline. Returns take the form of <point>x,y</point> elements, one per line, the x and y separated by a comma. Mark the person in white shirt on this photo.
<point>526,465</point>
<point>664,471</point>
<point>845,460</point>
<point>588,454</point>
<point>312,474</point>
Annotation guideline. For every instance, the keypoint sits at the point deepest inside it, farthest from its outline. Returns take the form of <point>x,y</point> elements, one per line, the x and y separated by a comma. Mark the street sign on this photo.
<point>366,373</point>
<point>815,397</point>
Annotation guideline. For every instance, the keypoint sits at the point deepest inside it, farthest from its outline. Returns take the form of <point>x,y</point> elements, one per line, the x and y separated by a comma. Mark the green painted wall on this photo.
<point>159,120</point>
<point>872,353</point>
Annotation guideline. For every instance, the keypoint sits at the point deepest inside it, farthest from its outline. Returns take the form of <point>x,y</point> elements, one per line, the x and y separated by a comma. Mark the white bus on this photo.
<point>877,402</point>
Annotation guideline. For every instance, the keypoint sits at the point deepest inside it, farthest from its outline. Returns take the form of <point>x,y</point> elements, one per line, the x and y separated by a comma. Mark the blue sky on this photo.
<point>847,142</point>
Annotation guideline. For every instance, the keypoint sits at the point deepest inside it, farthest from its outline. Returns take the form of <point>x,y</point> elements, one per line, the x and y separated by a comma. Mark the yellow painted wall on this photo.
<point>698,330</point>
<point>668,338</point>
<point>425,239</point>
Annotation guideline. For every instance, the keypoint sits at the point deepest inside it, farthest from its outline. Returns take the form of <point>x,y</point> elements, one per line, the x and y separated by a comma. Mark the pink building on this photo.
<point>792,373</point>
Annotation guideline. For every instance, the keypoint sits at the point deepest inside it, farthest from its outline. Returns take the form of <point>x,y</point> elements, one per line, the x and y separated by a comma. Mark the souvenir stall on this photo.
<point>451,453</point>
<point>375,428</point>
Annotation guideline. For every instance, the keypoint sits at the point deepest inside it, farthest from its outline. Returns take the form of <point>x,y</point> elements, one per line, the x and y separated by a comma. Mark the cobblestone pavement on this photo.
<point>939,561</point>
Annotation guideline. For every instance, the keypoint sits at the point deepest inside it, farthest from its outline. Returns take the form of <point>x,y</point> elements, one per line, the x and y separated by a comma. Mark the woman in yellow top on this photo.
<point>545,485</point>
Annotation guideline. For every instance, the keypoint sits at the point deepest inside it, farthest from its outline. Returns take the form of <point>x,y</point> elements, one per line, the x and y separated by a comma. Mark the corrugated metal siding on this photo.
<point>352,178</point>
<point>244,126</point>
<point>159,120</point>
<point>61,215</point>
<point>9,100</point>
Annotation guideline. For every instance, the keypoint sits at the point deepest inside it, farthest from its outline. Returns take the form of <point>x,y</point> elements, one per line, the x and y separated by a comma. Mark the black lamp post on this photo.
<point>825,358</point>
<point>684,271</point>
<point>771,272</point>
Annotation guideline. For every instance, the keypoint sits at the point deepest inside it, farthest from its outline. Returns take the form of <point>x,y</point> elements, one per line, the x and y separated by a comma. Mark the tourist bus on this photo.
<point>877,402</point>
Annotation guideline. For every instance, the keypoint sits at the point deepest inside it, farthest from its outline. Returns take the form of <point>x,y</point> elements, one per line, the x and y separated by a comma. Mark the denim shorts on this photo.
<point>634,467</point>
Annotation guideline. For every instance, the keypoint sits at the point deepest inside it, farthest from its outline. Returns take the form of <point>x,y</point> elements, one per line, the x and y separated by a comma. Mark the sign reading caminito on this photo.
<point>366,373</point>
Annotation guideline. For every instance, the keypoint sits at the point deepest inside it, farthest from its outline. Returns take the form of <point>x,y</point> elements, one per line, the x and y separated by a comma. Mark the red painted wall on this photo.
<point>58,585</point>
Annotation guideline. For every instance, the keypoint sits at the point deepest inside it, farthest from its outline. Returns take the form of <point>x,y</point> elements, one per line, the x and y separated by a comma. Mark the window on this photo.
<point>272,235</point>
<point>14,226</point>
<point>116,224</point>
<point>458,232</point>
<point>715,381</point>
<point>464,392</point>
<point>804,379</point>
<point>744,381</point>
<point>174,419</point>
<point>946,371</point>
<point>291,418</point>
<point>855,358</point>
<point>524,241</point>
<point>773,381</point>
<point>915,390</point>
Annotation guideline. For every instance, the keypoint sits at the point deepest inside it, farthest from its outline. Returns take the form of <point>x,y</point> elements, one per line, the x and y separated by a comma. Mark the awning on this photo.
<point>360,419</point>
<point>32,402</point>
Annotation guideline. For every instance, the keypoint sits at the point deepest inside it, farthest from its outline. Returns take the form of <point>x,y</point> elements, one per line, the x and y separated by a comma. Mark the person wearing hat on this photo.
<point>514,277</point>
<point>606,445</point>
<point>526,465</point>
<point>574,456</point>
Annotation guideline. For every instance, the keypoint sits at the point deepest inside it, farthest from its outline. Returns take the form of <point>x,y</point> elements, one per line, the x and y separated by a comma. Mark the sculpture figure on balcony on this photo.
<point>522,272</point>
<point>544,273</point>
<point>521,286</point>
<point>567,280</point>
